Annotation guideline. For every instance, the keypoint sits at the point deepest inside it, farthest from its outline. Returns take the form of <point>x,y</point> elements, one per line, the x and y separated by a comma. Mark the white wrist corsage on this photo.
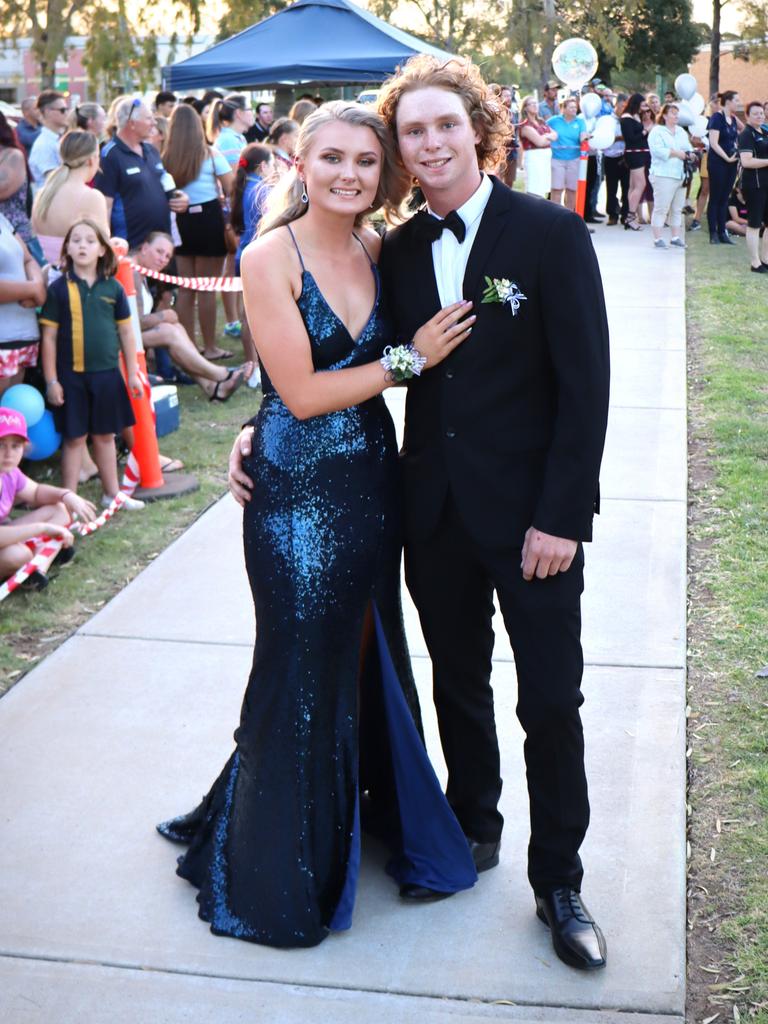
<point>504,291</point>
<point>402,362</point>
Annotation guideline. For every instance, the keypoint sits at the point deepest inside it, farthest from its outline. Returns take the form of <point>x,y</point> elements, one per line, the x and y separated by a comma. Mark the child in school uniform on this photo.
<point>85,323</point>
<point>51,508</point>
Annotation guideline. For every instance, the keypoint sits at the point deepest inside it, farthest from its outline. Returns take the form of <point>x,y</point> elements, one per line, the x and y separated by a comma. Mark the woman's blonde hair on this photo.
<point>301,110</point>
<point>284,204</point>
<point>110,126</point>
<point>222,112</point>
<point>76,149</point>
<point>524,103</point>
<point>185,149</point>
<point>81,114</point>
<point>488,116</point>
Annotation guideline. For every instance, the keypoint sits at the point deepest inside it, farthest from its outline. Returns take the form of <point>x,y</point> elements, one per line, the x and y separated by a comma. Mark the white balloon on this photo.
<point>575,62</point>
<point>696,104</point>
<point>604,134</point>
<point>686,117</point>
<point>685,85</point>
<point>699,127</point>
<point>591,104</point>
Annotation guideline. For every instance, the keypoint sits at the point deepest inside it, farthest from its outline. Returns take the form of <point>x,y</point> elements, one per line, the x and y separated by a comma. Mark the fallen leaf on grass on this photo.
<point>709,970</point>
<point>709,1020</point>
<point>719,826</point>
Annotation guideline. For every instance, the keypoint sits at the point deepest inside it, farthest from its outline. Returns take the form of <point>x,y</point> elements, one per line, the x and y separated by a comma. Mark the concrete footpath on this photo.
<point>95,928</point>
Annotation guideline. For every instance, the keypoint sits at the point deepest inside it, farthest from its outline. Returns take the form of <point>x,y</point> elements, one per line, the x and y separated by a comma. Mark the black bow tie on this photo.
<point>431,228</point>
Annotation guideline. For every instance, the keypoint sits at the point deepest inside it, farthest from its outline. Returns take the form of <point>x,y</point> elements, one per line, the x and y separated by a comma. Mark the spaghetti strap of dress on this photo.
<point>296,247</point>
<point>365,249</point>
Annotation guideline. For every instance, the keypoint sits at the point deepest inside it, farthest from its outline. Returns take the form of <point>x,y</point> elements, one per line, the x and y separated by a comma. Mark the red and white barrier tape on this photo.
<point>45,547</point>
<point>131,476</point>
<point>85,528</point>
<point>195,284</point>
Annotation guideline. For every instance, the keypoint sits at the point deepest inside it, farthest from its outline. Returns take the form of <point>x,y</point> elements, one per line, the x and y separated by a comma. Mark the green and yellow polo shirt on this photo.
<point>86,319</point>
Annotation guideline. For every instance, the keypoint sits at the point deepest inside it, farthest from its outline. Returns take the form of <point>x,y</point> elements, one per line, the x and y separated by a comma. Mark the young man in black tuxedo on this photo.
<point>502,450</point>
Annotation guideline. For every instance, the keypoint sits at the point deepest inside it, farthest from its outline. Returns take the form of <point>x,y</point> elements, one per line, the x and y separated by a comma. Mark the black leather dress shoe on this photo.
<point>421,894</point>
<point>577,939</point>
<point>725,238</point>
<point>485,855</point>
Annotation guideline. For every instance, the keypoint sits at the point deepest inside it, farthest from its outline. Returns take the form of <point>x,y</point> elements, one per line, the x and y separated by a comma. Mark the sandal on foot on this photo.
<point>221,353</point>
<point>170,465</point>
<point>237,375</point>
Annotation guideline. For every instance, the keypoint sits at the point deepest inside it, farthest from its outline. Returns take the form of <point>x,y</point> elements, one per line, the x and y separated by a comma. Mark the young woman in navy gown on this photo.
<point>330,730</point>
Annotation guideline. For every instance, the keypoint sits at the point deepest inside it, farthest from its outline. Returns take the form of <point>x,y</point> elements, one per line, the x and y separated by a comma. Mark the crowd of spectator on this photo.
<point>649,168</point>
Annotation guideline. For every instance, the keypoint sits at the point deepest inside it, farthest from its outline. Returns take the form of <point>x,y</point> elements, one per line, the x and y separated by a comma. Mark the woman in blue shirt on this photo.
<point>722,163</point>
<point>228,121</point>
<point>205,176</point>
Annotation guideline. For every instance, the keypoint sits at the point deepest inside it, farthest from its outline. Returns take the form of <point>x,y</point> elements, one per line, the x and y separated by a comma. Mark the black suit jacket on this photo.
<point>513,421</point>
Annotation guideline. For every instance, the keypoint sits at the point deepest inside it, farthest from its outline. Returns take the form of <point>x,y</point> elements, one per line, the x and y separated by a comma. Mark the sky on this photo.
<point>729,19</point>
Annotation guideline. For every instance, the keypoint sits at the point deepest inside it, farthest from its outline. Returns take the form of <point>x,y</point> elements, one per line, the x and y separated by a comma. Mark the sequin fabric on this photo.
<point>270,847</point>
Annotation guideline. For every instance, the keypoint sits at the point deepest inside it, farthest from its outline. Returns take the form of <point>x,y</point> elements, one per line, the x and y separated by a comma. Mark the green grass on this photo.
<point>33,624</point>
<point>728,633</point>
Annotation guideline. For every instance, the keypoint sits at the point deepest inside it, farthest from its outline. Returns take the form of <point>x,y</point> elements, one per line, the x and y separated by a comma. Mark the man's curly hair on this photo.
<point>486,112</point>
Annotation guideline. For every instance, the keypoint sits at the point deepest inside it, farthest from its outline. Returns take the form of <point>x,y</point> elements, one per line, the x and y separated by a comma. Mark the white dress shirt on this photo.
<point>449,255</point>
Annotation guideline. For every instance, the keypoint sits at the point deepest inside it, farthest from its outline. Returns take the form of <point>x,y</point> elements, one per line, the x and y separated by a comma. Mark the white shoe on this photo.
<point>254,381</point>
<point>131,504</point>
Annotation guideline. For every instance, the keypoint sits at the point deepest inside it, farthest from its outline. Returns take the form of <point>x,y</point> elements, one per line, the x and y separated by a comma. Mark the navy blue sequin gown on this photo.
<point>329,723</point>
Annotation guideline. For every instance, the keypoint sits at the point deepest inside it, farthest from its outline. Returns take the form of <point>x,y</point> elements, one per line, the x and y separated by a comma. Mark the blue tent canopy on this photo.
<point>312,41</point>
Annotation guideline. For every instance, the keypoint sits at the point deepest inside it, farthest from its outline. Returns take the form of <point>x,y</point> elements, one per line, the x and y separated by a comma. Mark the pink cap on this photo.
<point>12,422</point>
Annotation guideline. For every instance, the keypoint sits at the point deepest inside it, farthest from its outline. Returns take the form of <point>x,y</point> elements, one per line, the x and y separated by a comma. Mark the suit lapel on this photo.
<point>492,223</point>
<point>422,277</point>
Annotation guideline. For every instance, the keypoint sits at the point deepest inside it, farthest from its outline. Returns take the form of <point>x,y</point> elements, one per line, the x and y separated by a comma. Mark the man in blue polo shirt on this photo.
<point>133,179</point>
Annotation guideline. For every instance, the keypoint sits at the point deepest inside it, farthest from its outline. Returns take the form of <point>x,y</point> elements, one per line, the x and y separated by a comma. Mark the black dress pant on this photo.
<point>451,579</point>
<point>616,176</point>
<point>722,175</point>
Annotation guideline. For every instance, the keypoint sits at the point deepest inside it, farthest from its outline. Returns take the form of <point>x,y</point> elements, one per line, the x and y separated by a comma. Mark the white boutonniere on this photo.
<point>504,291</point>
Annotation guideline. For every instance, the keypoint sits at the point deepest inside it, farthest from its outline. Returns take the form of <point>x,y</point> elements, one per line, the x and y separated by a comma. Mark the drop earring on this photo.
<point>304,196</point>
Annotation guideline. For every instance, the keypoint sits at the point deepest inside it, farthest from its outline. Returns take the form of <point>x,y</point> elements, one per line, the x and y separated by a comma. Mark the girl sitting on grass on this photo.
<point>52,507</point>
<point>85,323</point>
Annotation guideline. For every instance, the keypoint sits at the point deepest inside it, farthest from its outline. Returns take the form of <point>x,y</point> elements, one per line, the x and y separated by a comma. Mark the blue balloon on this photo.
<point>44,438</point>
<point>26,400</point>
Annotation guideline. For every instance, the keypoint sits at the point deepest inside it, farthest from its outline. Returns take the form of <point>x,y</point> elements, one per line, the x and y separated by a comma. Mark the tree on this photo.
<point>241,14</point>
<point>754,31</point>
<point>459,26</point>
<point>663,36</point>
<point>119,56</point>
<point>49,22</point>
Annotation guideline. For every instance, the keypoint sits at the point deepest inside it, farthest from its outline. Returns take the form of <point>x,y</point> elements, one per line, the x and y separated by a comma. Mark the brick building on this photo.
<point>748,78</point>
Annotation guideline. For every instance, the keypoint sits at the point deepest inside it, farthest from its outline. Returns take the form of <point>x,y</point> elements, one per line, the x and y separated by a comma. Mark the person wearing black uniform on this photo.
<point>723,164</point>
<point>753,152</point>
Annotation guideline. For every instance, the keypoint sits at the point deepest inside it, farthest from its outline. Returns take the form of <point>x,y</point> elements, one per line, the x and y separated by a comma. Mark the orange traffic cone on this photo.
<point>145,447</point>
<point>581,188</point>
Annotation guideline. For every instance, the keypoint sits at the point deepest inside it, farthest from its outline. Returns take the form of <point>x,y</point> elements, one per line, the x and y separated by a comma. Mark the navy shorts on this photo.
<point>95,402</point>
